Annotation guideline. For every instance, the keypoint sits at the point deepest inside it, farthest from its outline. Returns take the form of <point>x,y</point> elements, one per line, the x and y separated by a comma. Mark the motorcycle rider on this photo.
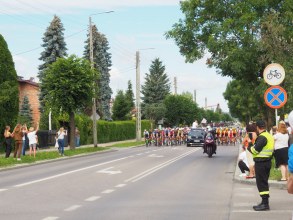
<point>210,134</point>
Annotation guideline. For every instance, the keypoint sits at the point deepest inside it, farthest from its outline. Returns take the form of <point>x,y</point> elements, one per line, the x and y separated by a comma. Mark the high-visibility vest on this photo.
<point>267,151</point>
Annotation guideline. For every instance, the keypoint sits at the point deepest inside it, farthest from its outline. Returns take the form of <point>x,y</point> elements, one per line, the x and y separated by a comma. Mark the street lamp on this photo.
<point>138,109</point>
<point>94,107</point>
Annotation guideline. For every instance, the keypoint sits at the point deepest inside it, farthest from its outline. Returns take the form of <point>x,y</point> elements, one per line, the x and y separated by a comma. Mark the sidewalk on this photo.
<point>272,183</point>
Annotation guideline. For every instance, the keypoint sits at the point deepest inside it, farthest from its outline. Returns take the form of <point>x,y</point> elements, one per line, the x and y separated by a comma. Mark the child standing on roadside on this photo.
<point>32,139</point>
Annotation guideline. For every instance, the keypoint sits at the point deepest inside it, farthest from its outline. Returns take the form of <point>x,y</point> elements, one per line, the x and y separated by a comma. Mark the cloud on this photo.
<point>64,6</point>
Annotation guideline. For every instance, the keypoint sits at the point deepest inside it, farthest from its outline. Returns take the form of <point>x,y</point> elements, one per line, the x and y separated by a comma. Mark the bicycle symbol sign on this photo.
<point>274,74</point>
<point>275,97</point>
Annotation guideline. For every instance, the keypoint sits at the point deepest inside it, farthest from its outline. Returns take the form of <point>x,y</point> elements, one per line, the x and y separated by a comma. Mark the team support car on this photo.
<point>195,137</point>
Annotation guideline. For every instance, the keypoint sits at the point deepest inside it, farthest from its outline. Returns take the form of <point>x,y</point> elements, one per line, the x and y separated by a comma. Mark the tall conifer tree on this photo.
<point>25,113</point>
<point>54,48</point>
<point>9,97</point>
<point>157,84</point>
<point>102,63</point>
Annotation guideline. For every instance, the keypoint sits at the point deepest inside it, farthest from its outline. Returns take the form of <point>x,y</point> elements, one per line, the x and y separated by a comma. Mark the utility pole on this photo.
<point>175,85</point>
<point>138,113</point>
<point>194,96</point>
<point>206,103</point>
<point>94,108</point>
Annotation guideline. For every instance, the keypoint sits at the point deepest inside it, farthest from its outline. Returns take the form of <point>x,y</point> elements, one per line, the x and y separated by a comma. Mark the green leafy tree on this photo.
<point>102,63</point>
<point>157,84</point>
<point>120,107</point>
<point>129,96</point>
<point>9,97</point>
<point>155,112</point>
<point>242,36</point>
<point>180,110</point>
<point>25,113</point>
<point>69,82</point>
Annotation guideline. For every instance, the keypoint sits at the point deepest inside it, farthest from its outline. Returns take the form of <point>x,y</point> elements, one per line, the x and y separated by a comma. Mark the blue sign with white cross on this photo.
<point>275,97</point>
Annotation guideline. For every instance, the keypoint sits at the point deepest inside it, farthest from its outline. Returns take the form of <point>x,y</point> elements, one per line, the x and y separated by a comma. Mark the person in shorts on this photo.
<point>32,138</point>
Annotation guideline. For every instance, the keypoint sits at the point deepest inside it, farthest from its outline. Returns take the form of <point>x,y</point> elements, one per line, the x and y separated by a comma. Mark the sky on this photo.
<point>135,25</point>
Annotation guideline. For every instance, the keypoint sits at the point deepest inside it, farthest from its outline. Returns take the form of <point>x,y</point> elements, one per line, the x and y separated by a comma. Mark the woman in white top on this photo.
<point>60,138</point>
<point>32,139</point>
<point>281,149</point>
<point>243,163</point>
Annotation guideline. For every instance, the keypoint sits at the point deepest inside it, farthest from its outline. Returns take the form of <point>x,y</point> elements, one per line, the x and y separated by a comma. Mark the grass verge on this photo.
<point>128,144</point>
<point>47,155</point>
<point>275,174</point>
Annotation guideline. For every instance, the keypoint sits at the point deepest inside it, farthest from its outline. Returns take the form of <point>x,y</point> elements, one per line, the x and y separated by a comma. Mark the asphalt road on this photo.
<point>155,183</point>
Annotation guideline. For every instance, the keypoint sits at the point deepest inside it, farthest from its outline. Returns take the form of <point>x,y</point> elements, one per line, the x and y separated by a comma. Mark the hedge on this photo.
<point>108,131</point>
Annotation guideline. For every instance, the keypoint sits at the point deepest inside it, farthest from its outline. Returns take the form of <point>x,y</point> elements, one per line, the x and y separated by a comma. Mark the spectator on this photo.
<point>32,137</point>
<point>77,137</point>
<point>274,130</point>
<point>8,141</point>
<point>250,135</point>
<point>24,139</point>
<point>242,162</point>
<point>281,149</point>
<point>17,135</point>
<point>290,163</point>
<point>60,138</point>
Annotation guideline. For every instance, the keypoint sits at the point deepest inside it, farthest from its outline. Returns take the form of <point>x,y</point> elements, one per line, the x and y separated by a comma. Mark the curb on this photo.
<point>272,183</point>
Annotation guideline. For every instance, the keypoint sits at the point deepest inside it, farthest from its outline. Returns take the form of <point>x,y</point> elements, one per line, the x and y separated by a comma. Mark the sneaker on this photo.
<point>18,159</point>
<point>242,175</point>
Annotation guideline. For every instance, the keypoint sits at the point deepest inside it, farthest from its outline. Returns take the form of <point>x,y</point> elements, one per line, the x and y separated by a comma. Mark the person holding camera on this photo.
<point>262,152</point>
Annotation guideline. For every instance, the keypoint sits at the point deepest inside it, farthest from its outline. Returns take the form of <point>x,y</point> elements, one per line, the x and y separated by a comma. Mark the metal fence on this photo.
<point>47,139</point>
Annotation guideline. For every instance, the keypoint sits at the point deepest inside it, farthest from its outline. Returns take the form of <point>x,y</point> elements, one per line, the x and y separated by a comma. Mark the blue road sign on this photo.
<point>275,97</point>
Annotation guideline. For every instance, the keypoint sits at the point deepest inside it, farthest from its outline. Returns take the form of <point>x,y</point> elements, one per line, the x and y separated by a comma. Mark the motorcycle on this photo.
<point>210,145</point>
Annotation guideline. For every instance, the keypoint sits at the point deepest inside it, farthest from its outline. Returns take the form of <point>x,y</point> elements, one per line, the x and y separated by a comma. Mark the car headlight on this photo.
<point>189,137</point>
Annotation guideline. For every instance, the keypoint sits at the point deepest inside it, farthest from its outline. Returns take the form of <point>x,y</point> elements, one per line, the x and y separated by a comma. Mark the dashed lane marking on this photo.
<point>269,212</point>
<point>108,191</point>
<point>70,172</point>
<point>120,185</point>
<point>72,208</point>
<point>50,218</point>
<point>2,190</point>
<point>93,198</point>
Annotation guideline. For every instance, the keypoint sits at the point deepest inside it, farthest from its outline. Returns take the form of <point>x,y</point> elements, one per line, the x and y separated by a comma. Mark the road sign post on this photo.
<point>275,96</point>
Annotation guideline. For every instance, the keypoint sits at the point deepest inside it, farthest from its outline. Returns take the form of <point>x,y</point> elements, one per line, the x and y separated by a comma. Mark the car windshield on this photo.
<point>196,133</point>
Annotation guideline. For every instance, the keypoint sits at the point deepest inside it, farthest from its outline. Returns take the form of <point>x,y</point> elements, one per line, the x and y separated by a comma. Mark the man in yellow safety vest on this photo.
<point>262,152</point>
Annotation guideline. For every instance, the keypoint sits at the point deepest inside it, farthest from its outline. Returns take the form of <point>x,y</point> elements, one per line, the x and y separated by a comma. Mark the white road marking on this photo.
<point>93,198</point>
<point>108,191</point>
<point>154,155</point>
<point>147,152</point>
<point>158,167</point>
<point>243,204</point>
<point>268,212</point>
<point>50,218</point>
<point>138,154</point>
<point>108,171</point>
<point>2,190</point>
<point>120,185</point>
<point>70,172</point>
<point>72,208</point>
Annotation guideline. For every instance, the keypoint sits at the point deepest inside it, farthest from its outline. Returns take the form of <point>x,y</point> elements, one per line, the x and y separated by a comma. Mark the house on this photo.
<point>30,89</point>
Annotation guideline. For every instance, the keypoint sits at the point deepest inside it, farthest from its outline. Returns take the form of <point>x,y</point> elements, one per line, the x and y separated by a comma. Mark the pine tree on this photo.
<point>129,96</point>
<point>120,106</point>
<point>157,84</point>
<point>102,63</point>
<point>9,101</point>
<point>54,45</point>
<point>25,113</point>
<point>54,48</point>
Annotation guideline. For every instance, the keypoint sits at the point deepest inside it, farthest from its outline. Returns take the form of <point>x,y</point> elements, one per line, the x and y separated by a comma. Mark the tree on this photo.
<point>180,110</point>
<point>69,84</point>
<point>54,48</point>
<point>102,63</point>
<point>120,107</point>
<point>9,97</point>
<point>243,37</point>
<point>25,113</point>
<point>157,84</point>
<point>155,112</point>
<point>54,45</point>
<point>129,96</point>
